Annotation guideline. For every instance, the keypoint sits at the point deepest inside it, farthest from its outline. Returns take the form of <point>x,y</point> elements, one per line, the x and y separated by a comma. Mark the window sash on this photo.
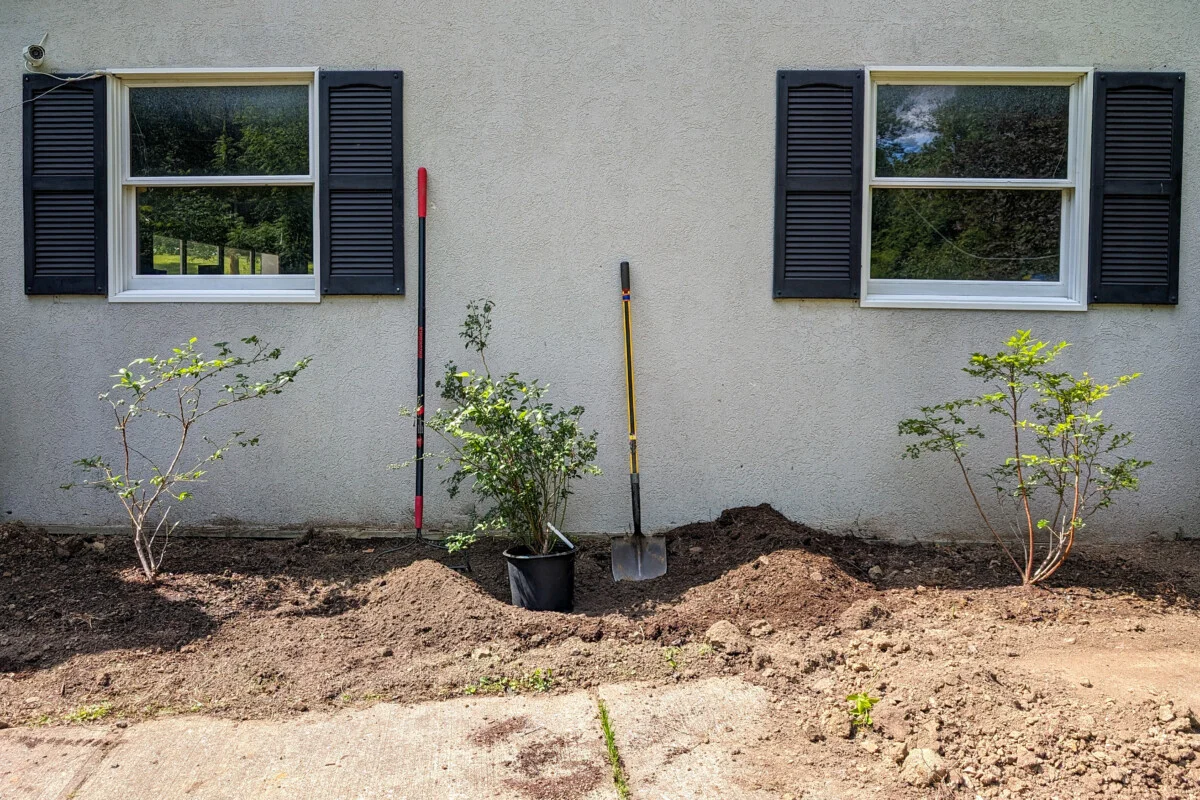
<point>1069,291</point>
<point>125,285</point>
<point>970,78</point>
<point>971,183</point>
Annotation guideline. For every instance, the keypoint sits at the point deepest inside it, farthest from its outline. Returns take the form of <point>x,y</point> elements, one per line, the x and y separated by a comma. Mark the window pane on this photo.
<point>218,130</point>
<point>244,230</point>
<point>972,131</point>
<point>965,234</point>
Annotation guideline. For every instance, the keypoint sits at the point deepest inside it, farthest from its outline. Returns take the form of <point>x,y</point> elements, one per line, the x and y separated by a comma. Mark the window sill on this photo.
<point>967,302</point>
<point>216,296</point>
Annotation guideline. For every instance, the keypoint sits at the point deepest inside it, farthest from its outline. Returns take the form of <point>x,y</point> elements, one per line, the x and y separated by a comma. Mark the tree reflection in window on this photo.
<point>969,133</point>
<point>225,230</point>
<point>222,132</point>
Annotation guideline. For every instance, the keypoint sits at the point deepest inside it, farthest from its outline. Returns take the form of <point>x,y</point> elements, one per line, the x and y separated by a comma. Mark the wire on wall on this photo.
<point>96,73</point>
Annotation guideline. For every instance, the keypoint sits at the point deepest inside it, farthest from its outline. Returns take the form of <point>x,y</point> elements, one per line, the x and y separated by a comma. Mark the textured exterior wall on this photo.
<point>560,138</point>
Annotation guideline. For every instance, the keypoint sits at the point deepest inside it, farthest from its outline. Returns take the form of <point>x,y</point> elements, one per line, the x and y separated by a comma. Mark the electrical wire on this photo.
<point>96,73</point>
<point>953,244</point>
<point>891,161</point>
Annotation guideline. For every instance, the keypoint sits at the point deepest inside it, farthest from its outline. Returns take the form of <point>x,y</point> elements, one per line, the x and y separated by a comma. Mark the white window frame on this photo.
<point>125,285</point>
<point>1069,292</point>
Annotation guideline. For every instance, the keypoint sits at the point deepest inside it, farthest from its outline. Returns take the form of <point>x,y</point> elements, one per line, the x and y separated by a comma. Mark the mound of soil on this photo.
<point>255,627</point>
<point>968,665</point>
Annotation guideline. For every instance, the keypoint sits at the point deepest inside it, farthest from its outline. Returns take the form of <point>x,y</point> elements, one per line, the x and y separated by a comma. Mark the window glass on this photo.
<point>965,234</point>
<point>972,131</point>
<point>226,230</point>
<point>218,130</point>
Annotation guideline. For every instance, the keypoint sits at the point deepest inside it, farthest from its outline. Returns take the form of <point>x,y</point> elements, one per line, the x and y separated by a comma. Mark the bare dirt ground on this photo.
<point>1084,690</point>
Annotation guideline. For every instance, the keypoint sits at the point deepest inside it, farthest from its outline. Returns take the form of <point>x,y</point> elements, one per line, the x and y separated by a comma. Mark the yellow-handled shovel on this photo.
<point>636,557</point>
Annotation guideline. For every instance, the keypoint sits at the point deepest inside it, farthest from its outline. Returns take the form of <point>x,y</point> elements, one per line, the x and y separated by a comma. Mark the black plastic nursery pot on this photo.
<point>541,582</point>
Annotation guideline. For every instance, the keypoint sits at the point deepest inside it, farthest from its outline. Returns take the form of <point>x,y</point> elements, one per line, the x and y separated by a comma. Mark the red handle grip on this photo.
<point>422,179</point>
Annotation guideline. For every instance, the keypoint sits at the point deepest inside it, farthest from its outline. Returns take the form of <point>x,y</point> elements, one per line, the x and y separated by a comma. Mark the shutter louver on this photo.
<point>65,192</point>
<point>818,183</point>
<point>1137,149</point>
<point>362,241</point>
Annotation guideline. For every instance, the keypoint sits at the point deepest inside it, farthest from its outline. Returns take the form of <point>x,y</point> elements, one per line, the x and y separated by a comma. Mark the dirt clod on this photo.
<point>725,637</point>
<point>922,767</point>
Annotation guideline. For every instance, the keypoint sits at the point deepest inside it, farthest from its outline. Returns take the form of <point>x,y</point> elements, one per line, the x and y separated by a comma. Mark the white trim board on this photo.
<point>125,285</point>
<point>1069,292</point>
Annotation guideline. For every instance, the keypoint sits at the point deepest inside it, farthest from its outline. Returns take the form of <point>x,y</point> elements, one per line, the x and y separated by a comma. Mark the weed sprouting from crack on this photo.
<point>614,755</point>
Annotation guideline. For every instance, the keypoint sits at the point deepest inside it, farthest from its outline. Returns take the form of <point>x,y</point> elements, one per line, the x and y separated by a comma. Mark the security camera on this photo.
<point>35,54</point>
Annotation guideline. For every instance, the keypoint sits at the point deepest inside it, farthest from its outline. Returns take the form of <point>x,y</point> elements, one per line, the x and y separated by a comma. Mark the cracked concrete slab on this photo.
<point>710,738</point>
<point>690,741</point>
<point>714,739</point>
<point>49,763</point>
<point>486,748</point>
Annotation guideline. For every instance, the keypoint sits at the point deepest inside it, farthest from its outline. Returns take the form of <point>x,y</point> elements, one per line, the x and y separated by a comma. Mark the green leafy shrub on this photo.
<point>510,445</point>
<point>152,468</point>
<point>1063,455</point>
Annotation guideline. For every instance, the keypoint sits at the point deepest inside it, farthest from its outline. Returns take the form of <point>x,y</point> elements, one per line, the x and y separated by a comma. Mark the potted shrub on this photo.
<point>520,454</point>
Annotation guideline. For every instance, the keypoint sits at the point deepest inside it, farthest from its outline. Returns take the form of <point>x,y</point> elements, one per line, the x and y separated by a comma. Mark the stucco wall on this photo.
<point>560,138</point>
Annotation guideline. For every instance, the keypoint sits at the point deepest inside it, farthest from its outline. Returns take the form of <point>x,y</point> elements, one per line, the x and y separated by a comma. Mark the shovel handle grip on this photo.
<point>635,489</point>
<point>624,276</point>
<point>422,181</point>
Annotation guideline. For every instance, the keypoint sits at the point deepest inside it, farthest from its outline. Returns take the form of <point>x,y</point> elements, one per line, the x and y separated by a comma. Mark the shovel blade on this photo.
<point>638,557</point>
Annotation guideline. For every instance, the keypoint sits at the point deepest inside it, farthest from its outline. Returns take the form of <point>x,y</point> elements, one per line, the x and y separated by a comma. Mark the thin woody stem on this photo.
<point>1028,572</point>
<point>979,507</point>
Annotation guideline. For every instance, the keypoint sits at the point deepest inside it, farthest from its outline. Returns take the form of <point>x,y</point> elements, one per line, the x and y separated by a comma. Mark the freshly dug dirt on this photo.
<point>252,628</point>
<point>1017,692</point>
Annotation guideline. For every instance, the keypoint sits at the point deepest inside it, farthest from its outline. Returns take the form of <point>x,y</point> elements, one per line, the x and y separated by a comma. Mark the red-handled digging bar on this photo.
<point>419,461</point>
<point>419,498</point>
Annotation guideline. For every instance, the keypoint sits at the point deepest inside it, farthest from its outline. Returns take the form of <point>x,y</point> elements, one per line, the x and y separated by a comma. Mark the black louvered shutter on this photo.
<point>362,219</point>
<point>65,174</point>
<point>818,183</point>
<point>1137,153</point>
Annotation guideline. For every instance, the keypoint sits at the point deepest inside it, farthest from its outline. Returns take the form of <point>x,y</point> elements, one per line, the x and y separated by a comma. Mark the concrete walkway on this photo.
<point>677,742</point>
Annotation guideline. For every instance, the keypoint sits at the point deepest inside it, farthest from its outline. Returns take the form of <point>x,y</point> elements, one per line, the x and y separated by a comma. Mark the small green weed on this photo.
<point>671,656</point>
<point>614,755</point>
<point>89,713</point>
<point>540,680</point>
<point>487,685</point>
<point>705,650</point>
<point>459,541</point>
<point>861,704</point>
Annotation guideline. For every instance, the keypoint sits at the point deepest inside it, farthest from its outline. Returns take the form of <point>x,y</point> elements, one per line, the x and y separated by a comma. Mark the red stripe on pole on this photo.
<point>422,180</point>
<point>417,503</point>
